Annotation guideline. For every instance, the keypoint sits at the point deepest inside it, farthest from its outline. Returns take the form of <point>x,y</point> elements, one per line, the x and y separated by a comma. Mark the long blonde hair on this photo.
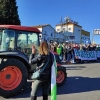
<point>44,48</point>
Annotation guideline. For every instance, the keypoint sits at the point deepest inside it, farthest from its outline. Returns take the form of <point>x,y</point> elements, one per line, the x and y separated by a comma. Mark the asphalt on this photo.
<point>82,83</point>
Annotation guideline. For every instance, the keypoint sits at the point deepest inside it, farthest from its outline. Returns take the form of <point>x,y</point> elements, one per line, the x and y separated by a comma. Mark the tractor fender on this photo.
<point>18,55</point>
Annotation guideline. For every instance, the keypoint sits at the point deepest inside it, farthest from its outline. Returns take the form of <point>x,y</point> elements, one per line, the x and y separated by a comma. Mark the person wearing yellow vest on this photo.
<point>59,50</point>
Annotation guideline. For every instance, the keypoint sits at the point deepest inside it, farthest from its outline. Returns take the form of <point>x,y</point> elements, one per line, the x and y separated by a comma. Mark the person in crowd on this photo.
<point>80,46</point>
<point>64,53</point>
<point>98,47</point>
<point>58,60</point>
<point>76,46</point>
<point>69,52</point>
<point>59,51</point>
<point>55,44</point>
<point>94,47</point>
<point>61,54</point>
<point>45,78</point>
<point>86,47</point>
<point>73,45</point>
<point>51,46</point>
<point>83,47</point>
<point>72,53</point>
<point>90,47</point>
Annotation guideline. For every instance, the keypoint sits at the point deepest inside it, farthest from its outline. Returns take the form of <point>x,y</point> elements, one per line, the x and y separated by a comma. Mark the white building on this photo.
<point>66,31</point>
<point>48,33</point>
<point>73,31</point>
<point>59,37</point>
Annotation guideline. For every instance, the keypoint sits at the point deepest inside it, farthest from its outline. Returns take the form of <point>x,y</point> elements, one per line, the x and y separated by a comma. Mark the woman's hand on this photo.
<point>33,49</point>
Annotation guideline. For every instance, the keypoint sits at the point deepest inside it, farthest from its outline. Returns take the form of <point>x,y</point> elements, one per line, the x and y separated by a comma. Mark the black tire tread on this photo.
<point>61,68</point>
<point>21,66</point>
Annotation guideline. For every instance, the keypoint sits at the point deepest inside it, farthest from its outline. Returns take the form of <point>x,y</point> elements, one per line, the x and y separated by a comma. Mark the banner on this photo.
<point>98,54</point>
<point>87,55</point>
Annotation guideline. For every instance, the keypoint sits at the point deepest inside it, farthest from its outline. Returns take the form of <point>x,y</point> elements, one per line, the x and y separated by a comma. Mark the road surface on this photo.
<point>82,83</point>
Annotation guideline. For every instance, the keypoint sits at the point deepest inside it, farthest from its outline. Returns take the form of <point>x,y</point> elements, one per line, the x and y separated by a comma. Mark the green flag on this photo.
<point>53,80</point>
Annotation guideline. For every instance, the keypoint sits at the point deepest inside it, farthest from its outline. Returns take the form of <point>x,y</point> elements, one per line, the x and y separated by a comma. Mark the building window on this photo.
<point>45,32</point>
<point>58,30</point>
<point>69,28</point>
<point>63,29</point>
<point>40,36</point>
<point>72,37</point>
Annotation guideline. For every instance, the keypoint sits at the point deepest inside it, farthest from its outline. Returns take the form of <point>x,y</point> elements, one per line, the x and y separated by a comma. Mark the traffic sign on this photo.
<point>96,31</point>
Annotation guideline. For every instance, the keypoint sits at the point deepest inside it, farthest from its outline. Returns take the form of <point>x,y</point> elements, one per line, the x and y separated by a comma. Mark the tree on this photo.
<point>9,13</point>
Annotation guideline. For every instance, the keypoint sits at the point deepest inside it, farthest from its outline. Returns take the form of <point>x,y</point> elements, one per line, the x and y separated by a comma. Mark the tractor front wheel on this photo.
<point>13,76</point>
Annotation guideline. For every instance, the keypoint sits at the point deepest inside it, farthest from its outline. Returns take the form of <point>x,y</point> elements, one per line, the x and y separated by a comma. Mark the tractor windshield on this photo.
<point>25,40</point>
<point>7,40</point>
<point>18,40</point>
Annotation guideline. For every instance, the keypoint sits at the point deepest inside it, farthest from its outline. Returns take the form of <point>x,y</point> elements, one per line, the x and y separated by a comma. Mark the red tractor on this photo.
<point>15,47</point>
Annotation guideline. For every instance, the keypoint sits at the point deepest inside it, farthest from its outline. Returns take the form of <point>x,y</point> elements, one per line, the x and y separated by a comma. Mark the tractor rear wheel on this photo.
<point>61,75</point>
<point>13,76</point>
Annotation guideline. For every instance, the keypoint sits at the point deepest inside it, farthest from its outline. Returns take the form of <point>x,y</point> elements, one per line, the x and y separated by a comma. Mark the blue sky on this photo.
<point>37,12</point>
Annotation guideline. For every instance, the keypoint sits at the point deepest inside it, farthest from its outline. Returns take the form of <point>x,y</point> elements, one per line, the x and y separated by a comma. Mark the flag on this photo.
<point>53,80</point>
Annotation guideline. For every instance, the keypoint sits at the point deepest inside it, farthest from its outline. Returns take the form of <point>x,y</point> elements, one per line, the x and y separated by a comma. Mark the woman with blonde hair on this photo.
<point>44,80</point>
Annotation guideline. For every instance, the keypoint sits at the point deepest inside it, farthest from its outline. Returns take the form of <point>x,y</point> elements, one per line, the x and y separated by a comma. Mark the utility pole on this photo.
<point>61,22</point>
<point>92,36</point>
<point>54,37</point>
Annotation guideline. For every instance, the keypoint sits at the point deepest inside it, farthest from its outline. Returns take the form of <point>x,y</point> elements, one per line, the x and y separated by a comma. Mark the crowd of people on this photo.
<point>66,50</point>
<point>46,51</point>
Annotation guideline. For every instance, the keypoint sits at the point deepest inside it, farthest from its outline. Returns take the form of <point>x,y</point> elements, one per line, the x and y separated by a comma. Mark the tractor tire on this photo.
<point>61,75</point>
<point>13,77</point>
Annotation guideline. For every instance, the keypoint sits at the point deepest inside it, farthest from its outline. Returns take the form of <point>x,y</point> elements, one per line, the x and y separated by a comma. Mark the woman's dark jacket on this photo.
<point>41,60</point>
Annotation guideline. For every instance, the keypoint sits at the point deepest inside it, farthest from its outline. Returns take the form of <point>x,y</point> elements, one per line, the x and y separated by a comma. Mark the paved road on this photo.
<point>82,83</point>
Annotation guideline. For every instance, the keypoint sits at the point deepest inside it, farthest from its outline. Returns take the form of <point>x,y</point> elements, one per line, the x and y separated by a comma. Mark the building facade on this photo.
<point>73,32</point>
<point>67,31</point>
<point>85,37</point>
<point>49,34</point>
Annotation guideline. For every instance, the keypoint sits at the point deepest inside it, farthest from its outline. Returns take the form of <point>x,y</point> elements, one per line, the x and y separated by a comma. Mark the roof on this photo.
<point>41,26</point>
<point>68,24</point>
<point>21,28</point>
<point>86,33</point>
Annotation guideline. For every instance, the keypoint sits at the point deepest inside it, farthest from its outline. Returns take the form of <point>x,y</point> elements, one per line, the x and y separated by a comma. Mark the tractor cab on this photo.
<point>14,38</point>
<point>15,46</point>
